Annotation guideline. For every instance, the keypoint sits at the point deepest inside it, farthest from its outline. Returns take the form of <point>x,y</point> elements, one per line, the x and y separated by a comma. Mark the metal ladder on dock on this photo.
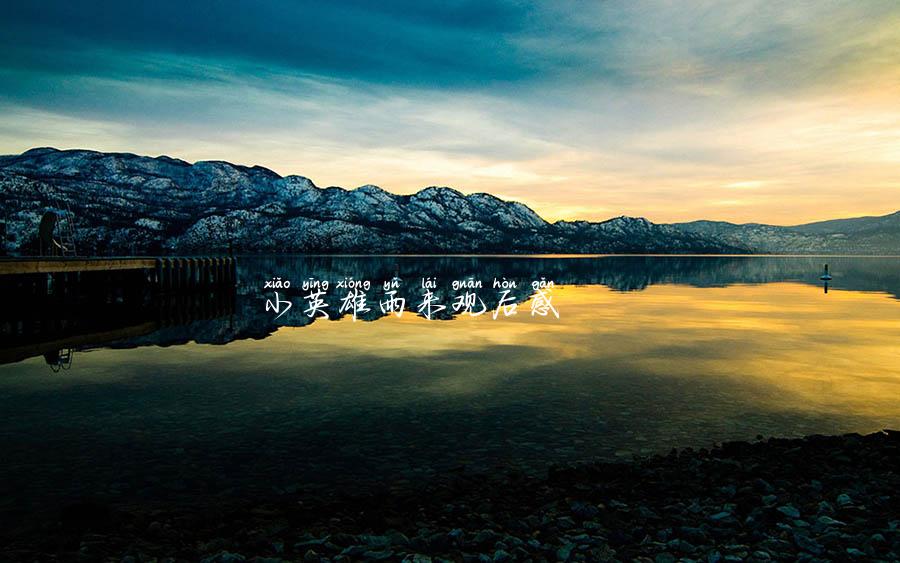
<point>66,227</point>
<point>57,232</point>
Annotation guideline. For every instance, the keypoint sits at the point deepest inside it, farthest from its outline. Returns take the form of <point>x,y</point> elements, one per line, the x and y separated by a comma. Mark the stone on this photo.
<point>828,521</point>
<point>380,555</point>
<point>584,510</point>
<point>564,552</point>
<point>808,544</point>
<point>844,499</point>
<point>224,557</point>
<point>789,510</point>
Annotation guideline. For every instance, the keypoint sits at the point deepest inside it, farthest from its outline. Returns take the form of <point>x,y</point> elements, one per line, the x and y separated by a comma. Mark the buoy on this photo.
<point>826,276</point>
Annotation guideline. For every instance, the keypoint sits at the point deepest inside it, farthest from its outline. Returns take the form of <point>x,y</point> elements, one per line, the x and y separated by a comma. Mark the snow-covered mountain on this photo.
<point>129,204</point>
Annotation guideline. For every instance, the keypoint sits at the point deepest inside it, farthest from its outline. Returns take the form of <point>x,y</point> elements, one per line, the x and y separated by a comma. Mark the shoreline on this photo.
<point>812,498</point>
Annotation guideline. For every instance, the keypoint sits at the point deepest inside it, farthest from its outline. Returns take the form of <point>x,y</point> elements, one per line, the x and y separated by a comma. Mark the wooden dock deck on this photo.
<point>53,265</point>
<point>164,273</point>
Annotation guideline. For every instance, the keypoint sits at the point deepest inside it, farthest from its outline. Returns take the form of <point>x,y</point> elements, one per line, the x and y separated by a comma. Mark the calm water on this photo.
<point>647,354</point>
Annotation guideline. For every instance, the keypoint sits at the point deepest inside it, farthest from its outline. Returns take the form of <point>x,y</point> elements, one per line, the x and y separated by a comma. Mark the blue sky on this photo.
<point>768,111</point>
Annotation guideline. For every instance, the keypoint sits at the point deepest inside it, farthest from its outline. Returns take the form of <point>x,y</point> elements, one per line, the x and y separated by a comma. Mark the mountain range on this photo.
<point>121,203</point>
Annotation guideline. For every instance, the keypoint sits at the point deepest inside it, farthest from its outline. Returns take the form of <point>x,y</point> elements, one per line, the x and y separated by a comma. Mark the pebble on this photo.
<point>789,511</point>
<point>602,512</point>
<point>844,499</point>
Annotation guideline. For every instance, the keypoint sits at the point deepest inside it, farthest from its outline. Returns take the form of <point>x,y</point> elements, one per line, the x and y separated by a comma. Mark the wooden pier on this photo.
<point>163,273</point>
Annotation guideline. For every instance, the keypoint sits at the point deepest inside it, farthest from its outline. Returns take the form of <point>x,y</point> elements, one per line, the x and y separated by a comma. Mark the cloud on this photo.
<point>645,108</point>
<point>390,42</point>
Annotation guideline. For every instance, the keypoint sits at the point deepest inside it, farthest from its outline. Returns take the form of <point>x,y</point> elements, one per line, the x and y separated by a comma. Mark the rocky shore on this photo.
<point>812,499</point>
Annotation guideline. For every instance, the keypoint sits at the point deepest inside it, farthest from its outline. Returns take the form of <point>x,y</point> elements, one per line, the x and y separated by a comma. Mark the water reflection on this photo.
<point>649,354</point>
<point>620,273</point>
<point>57,330</point>
<point>218,318</point>
<point>59,360</point>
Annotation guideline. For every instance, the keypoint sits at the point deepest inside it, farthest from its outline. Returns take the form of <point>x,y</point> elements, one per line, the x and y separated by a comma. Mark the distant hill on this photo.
<point>122,203</point>
<point>858,225</point>
<point>863,235</point>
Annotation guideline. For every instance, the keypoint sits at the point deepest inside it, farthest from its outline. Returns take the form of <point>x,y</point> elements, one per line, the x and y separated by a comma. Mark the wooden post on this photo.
<point>168,276</point>
<point>160,274</point>
<point>183,272</point>
<point>207,272</point>
<point>188,274</point>
<point>195,270</point>
<point>201,272</point>
<point>174,274</point>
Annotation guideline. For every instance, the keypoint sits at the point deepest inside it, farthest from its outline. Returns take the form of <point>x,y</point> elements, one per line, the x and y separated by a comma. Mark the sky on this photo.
<point>776,112</point>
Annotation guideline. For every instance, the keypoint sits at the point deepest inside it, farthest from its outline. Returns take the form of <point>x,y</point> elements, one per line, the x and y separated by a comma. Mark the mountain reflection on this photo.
<point>620,273</point>
<point>55,330</point>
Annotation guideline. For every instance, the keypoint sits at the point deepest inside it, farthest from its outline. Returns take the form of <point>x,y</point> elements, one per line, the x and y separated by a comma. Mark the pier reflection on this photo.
<point>63,318</point>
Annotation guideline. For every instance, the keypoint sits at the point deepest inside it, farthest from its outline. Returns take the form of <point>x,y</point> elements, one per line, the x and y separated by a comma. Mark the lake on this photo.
<point>210,397</point>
